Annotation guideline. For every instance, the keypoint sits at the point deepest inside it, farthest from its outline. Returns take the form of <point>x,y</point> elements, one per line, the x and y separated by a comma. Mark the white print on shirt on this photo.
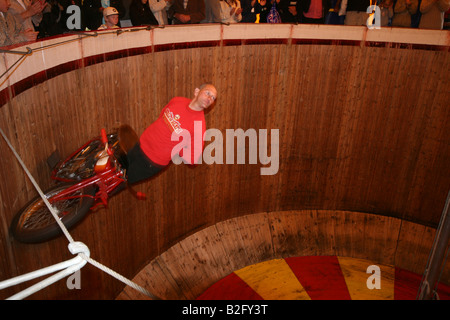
<point>172,121</point>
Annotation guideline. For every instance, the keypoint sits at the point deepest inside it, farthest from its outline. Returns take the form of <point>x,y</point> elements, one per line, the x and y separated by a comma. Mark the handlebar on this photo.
<point>104,137</point>
<point>105,142</point>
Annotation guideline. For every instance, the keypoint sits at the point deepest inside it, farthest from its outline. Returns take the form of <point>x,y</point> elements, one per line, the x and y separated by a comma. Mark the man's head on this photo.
<point>204,97</point>
<point>4,5</point>
<point>111,16</point>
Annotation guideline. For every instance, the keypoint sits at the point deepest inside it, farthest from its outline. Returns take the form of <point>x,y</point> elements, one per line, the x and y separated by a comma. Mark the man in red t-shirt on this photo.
<point>178,131</point>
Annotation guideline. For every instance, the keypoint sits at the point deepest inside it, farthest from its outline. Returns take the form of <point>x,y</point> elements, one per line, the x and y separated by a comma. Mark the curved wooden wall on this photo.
<point>361,116</point>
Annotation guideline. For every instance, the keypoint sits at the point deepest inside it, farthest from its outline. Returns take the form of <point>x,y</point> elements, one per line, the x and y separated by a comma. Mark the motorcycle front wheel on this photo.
<point>34,223</point>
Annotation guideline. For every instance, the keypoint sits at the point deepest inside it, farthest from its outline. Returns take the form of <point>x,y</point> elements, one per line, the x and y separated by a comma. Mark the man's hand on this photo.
<point>184,18</point>
<point>30,34</point>
<point>37,7</point>
<point>293,10</point>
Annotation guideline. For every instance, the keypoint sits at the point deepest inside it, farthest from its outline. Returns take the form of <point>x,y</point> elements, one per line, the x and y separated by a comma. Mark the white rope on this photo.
<point>82,254</point>
<point>120,277</point>
<point>68,267</point>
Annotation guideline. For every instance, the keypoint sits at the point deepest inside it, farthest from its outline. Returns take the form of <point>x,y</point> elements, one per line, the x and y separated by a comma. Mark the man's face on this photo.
<point>207,96</point>
<point>4,5</point>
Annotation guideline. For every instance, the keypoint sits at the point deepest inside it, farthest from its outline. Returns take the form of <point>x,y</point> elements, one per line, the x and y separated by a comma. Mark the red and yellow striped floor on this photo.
<point>318,278</point>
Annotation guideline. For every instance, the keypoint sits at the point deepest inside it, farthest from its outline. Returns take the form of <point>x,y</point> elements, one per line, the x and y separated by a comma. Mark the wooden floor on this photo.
<point>318,278</point>
<point>293,255</point>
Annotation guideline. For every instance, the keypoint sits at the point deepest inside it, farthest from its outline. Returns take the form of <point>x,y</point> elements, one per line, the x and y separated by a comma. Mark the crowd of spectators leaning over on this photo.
<point>28,20</point>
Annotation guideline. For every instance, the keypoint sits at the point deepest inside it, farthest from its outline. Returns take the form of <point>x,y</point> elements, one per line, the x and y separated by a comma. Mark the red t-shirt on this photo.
<point>178,130</point>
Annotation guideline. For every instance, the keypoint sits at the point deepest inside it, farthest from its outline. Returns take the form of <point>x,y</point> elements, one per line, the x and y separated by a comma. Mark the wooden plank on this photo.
<point>157,279</point>
<point>414,246</point>
<point>246,240</point>
<point>298,233</point>
<point>197,262</point>
<point>366,236</point>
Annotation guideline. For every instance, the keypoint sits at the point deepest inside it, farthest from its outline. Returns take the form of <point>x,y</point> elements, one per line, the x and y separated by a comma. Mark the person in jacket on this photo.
<point>187,11</point>
<point>140,13</point>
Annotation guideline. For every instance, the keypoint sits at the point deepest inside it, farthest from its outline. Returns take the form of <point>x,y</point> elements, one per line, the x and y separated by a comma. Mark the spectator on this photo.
<point>12,30</point>
<point>230,11</point>
<point>274,15</point>
<point>212,11</point>
<point>29,13</point>
<point>312,11</point>
<point>337,12</point>
<point>159,9</point>
<point>265,6</point>
<point>111,16</point>
<point>250,8</point>
<point>54,21</point>
<point>288,11</point>
<point>433,13</point>
<point>263,11</point>
<point>140,13</point>
<point>403,10</point>
<point>187,11</point>
<point>357,12</point>
<point>447,20</point>
<point>386,12</point>
<point>92,12</point>
<point>118,4</point>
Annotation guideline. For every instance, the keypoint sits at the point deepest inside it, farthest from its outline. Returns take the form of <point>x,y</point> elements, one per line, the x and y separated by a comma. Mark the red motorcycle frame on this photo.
<point>107,176</point>
<point>87,178</point>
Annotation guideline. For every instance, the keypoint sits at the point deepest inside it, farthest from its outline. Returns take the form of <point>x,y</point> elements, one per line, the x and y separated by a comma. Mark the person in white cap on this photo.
<point>111,16</point>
